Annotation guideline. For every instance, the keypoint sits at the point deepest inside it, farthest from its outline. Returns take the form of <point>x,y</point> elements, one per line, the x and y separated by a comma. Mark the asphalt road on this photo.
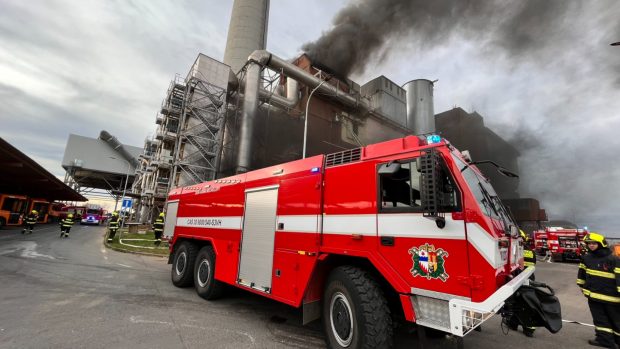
<point>74,293</point>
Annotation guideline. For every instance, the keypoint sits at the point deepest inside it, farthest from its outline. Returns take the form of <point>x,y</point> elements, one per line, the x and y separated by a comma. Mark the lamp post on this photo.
<point>125,188</point>
<point>306,118</point>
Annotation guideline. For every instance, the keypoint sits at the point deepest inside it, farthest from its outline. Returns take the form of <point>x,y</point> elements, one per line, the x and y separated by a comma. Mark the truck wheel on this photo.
<point>183,265</point>
<point>204,275</point>
<point>355,312</point>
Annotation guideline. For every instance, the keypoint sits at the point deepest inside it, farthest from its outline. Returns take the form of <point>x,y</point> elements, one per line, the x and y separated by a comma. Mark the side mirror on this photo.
<point>389,169</point>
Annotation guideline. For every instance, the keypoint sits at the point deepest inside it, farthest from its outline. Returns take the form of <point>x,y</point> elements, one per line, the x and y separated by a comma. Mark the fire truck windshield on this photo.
<point>485,195</point>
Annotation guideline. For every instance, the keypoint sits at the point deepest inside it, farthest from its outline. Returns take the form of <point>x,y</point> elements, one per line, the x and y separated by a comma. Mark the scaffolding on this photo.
<point>199,141</point>
<point>187,146</point>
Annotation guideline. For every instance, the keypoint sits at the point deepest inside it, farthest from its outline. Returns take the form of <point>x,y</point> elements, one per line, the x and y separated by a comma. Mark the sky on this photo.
<point>541,73</point>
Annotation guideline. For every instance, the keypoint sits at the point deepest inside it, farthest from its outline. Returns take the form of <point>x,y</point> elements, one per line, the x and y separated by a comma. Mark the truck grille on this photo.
<point>343,157</point>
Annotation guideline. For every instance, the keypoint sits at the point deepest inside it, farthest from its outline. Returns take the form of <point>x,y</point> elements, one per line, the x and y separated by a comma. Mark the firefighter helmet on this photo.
<point>523,235</point>
<point>162,215</point>
<point>594,237</point>
<point>70,215</point>
<point>115,213</point>
<point>34,212</point>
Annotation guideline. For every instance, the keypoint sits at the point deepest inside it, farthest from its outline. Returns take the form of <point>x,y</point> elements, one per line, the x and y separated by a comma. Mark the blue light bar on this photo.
<point>315,169</point>
<point>432,139</point>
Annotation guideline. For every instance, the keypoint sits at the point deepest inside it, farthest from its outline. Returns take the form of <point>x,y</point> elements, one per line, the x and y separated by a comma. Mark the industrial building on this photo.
<point>250,111</point>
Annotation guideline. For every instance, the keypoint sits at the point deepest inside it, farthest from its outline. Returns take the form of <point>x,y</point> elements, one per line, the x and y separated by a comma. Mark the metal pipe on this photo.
<point>290,70</point>
<point>118,146</point>
<point>306,118</point>
<point>250,107</point>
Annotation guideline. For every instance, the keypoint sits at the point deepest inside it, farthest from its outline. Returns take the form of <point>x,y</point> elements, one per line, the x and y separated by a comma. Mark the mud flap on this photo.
<point>534,305</point>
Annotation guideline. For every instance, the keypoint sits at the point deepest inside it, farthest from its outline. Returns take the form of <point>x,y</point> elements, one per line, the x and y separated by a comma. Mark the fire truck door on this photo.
<point>171,218</point>
<point>257,241</point>
<point>430,255</point>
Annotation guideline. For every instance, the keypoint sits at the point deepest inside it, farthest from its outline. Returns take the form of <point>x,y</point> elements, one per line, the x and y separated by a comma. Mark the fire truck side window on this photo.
<point>400,191</point>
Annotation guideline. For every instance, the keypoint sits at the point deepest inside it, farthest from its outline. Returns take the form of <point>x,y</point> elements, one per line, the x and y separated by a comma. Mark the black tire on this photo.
<point>355,311</point>
<point>182,272</point>
<point>2,223</point>
<point>204,275</point>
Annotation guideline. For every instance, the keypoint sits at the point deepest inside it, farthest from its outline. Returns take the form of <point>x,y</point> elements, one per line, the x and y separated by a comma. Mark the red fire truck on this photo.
<point>404,229</point>
<point>563,243</point>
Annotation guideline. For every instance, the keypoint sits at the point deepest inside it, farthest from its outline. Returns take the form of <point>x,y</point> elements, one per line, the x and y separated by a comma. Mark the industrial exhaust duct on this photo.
<point>420,111</point>
<point>257,60</point>
<point>118,146</point>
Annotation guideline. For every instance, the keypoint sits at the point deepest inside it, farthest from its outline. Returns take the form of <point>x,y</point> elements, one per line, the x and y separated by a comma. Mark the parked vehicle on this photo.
<point>405,228</point>
<point>12,208</point>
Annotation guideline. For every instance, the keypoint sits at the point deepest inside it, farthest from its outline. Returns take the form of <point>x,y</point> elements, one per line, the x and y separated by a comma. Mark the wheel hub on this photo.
<point>203,273</point>
<point>341,318</point>
<point>180,265</point>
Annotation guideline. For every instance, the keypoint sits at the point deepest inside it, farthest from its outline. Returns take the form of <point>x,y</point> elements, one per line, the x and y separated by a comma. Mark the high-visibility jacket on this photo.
<point>114,223</point>
<point>31,219</point>
<point>66,223</point>
<point>529,257</point>
<point>599,276</point>
<point>158,226</point>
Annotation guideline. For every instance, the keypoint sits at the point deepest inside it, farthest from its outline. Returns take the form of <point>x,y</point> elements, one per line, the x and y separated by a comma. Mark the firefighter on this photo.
<point>65,225</point>
<point>599,279</point>
<point>158,228</point>
<point>529,260</point>
<point>31,220</point>
<point>113,226</point>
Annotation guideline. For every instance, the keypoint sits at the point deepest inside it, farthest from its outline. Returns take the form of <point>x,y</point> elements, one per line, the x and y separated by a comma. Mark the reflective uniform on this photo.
<point>599,279</point>
<point>65,226</point>
<point>30,221</point>
<point>158,228</point>
<point>113,226</point>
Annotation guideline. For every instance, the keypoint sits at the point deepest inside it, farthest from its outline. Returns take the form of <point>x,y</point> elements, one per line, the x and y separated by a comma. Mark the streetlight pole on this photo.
<point>306,118</point>
<point>124,189</point>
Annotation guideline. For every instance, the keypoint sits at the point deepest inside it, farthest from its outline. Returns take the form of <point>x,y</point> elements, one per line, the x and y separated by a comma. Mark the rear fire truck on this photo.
<point>405,229</point>
<point>563,243</point>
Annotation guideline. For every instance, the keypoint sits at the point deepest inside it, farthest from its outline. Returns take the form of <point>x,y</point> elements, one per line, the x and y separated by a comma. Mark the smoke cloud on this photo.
<point>541,73</point>
<point>362,29</point>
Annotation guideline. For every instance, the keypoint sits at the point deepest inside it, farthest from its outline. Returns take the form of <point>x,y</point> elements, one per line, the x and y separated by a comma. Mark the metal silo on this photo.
<point>420,111</point>
<point>247,31</point>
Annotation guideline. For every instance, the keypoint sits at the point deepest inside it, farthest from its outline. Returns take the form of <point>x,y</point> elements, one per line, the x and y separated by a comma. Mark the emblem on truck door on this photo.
<point>429,262</point>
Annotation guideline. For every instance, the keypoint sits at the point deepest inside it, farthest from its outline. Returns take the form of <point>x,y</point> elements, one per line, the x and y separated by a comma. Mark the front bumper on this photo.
<point>466,316</point>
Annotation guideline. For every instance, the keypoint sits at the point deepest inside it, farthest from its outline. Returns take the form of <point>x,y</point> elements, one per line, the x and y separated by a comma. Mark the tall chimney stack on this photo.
<point>247,31</point>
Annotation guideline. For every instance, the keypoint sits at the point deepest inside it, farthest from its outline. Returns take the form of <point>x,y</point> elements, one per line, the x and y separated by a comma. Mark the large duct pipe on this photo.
<point>265,58</point>
<point>116,145</point>
<point>247,31</point>
<point>250,107</point>
<point>420,111</point>
<point>253,90</point>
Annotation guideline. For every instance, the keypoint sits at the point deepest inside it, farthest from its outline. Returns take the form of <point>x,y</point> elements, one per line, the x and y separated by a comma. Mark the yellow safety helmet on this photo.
<point>162,215</point>
<point>34,212</point>
<point>595,237</point>
<point>523,235</point>
<point>115,213</point>
<point>69,215</point>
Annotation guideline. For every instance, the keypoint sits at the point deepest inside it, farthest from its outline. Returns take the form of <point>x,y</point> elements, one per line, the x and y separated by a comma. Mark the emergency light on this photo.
<point>315,169</point>
<point>432,139</point>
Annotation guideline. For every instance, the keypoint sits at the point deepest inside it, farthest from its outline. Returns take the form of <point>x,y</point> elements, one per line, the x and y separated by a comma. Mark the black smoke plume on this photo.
<point>366,29</point>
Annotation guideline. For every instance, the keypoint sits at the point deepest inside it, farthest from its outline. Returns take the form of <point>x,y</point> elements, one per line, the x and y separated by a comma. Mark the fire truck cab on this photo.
<point>404,229</point>
<point>12,208</point>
